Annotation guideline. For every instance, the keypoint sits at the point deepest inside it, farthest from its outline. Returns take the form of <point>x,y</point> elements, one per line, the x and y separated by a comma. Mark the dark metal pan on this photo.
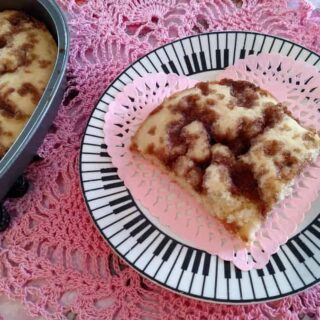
<point>26,145</point>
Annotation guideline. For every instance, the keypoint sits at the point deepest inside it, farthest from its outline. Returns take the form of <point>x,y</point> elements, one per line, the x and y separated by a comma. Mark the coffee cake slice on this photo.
<point>232,145</point>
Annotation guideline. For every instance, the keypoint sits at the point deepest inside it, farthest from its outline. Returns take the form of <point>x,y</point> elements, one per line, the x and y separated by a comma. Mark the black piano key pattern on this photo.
<point>145,245</point>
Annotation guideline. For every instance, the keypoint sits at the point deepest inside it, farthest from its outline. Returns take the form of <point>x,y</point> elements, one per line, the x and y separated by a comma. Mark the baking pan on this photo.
<point>26,145</point>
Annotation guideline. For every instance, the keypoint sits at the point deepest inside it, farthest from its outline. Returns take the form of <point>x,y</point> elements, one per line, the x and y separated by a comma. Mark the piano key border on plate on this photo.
<point>144,245</point>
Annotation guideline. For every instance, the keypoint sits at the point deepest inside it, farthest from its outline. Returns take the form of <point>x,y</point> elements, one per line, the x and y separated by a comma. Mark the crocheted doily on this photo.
<point>53,258</point>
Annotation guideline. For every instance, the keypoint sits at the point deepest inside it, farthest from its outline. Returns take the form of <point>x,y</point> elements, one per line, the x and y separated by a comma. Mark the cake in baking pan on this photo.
<point>27,56</point>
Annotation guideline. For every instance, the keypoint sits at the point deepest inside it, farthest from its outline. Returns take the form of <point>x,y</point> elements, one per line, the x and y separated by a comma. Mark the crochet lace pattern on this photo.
<point>52,258</point>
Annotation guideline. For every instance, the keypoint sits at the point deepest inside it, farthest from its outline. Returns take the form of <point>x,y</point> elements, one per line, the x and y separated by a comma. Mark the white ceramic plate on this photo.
<point>151,248</point>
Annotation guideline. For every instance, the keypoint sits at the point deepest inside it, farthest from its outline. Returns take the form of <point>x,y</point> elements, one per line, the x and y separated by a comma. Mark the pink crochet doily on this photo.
<point>52,258</point>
